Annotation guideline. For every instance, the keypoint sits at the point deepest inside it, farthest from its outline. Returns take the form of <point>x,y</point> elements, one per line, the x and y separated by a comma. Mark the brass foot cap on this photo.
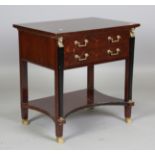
<point>25,122</point>
<point>60,140</point>
<point>128,120</point>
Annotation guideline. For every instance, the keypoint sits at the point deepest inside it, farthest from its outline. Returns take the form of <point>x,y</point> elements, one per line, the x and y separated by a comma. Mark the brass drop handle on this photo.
<point>118,37</point>
<point>77,43</point>
<point>113,53</point>
<point>86,55</point>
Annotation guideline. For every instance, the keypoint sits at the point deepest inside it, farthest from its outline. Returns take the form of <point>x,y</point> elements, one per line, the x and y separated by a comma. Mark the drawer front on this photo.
<point>77,42</point>
<point>94,56</point>
<point>97,48</point>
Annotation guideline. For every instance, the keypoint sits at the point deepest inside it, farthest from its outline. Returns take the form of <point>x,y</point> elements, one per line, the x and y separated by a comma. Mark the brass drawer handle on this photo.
<point>77,43</point>
<point>118,37</point>
<point>113,53</point>
<point>86,55</point>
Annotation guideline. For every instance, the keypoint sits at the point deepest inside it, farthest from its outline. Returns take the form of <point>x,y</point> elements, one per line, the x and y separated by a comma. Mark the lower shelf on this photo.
<point>73,101</point>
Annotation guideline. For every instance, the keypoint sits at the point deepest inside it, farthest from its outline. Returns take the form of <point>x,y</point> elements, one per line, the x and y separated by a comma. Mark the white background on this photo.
<point>83,131</point>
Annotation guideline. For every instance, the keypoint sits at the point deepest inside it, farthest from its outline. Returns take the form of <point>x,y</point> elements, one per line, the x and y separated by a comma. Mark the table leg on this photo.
<point>90,85</point>
<point>59,96</point>
<point>24,91</point>
<point>128,80</point>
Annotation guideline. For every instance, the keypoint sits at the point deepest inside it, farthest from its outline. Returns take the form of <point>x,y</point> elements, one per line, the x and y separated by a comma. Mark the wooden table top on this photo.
<point>75,25</point>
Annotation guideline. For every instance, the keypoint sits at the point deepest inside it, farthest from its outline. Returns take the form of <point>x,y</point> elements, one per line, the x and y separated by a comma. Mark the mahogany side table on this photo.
<point>67,44</point>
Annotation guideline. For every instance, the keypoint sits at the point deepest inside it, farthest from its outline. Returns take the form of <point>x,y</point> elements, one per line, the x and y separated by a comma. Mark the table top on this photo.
<point>75,25</point>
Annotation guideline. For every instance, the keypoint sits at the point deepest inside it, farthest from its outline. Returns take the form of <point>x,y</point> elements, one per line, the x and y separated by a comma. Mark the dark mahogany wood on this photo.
<point>65,27</point>
<point>96,56</point>
<point>39,43</point>
<point>38,49</point>
<point>129,77</point>
<point>59,106</point>
<point>96,48</point>
<point>97,39</point>
<point>23,83</point>
<point>24,89</point>
<point>39,40</point>
<point>90,84</point>
<point>73,101</point>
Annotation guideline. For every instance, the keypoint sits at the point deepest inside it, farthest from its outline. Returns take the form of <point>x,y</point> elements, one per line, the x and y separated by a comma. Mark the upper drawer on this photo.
<point>78,42</point>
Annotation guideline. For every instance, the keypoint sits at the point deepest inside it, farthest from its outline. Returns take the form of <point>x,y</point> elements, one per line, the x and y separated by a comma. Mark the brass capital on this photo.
<point>60,42</point>
<point>132,33</point>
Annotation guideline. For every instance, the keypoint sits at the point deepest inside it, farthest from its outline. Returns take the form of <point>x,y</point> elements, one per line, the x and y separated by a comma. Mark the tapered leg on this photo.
<point>128,81</point>
<point>128,113</point>
<point>90,85</point>
<point>59,97</point>
<point>24,91</point>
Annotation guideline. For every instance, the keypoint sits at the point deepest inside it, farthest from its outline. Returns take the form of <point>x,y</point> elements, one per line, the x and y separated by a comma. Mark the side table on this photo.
<point>67,44</point>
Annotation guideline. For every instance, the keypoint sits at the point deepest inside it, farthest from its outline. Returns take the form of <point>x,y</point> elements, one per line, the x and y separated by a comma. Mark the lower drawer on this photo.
<point>94,56</point>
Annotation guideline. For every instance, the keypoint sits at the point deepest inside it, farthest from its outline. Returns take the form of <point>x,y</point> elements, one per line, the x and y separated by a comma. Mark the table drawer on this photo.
<point>94,40</point>
<point>98,55</point>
